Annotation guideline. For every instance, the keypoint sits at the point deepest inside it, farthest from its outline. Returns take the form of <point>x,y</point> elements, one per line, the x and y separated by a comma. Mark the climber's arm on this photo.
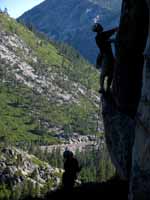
<point>109,33</point>
<point>113,40</point>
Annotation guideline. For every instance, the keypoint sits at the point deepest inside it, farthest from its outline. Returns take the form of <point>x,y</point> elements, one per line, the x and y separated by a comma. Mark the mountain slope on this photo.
<point>23,174</point>
<point>71,21</point>
<point>47,91</point>
<point>42,92</point>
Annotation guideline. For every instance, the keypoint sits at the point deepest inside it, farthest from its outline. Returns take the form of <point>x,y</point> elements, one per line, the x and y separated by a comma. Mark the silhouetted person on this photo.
<point>105,59</point>
<point>71,168</point>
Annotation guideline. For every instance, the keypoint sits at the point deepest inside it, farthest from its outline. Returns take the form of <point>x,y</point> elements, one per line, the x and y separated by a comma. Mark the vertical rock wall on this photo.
<point>140,176</point>
<point>130,45</point>
<point>128,132</point>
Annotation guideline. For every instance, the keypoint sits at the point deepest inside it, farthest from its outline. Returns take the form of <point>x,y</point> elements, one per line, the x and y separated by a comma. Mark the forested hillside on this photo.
<point>46,88</point>
<point>48,95</point>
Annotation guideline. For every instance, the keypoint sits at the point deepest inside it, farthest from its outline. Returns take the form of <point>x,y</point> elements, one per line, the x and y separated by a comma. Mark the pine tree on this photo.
<point>110,170</point>
<point>17,192</point>
<point>4,192</point>
<point>102,171</point>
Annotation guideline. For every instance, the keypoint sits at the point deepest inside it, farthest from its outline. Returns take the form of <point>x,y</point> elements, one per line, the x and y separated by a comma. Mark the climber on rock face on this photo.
<point>105,59</point>
<point>71,168</point>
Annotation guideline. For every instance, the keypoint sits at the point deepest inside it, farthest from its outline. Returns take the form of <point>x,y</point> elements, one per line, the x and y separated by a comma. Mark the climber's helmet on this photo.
<point>97,27</point>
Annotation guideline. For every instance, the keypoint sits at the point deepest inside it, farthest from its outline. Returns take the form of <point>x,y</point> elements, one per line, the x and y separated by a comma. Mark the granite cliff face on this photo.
<point>140,179</point>
<point>127,108</point>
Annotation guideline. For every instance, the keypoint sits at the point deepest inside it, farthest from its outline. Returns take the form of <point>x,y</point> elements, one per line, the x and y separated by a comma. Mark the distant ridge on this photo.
<point>71,21</point>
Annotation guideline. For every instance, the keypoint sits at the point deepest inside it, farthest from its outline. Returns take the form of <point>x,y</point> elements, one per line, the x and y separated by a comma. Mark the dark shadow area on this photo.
<point>130,44</point>
<point>112,189</point>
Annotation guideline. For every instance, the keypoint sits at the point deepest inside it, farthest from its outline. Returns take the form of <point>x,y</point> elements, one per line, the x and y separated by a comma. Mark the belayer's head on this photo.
<point>97,28</point>
<point>67,154</point>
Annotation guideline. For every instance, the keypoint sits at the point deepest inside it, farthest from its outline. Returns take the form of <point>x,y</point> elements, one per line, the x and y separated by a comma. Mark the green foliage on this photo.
<point>27,116</point>
<point>96,165</point>
<point>17,119</point>
<point>24,111</point>
<point>79,69</point>
<point>22,114</point>
<point>54,54</point>
<point>38,162</point>
<point>24,190</point>
<point>47,187</point>
<point>54,158</point>
<point>4,192</point>
<point>16,193</point>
